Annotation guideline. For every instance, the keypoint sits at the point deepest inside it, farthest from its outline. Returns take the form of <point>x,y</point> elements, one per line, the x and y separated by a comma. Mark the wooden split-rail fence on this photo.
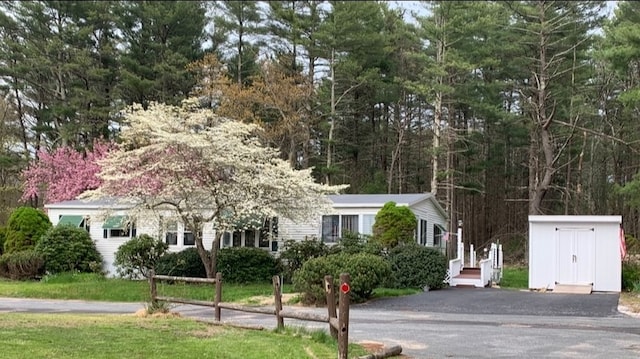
<point>338,320</point>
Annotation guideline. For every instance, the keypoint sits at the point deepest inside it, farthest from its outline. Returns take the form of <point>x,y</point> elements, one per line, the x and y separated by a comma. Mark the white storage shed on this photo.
<point>575,250</point>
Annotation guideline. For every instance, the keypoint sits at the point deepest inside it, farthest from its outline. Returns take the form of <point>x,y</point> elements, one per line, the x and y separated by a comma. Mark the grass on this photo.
<point>116,336</point>
<point>94,287</point>
<point>515,277</point>
<point>392,292</point>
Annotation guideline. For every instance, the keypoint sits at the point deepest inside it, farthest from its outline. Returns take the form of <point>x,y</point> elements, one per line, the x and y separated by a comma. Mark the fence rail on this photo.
<point>338,320</point>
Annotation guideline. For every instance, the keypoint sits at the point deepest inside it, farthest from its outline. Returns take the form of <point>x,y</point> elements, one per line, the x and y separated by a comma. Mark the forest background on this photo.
<point>501,109</point>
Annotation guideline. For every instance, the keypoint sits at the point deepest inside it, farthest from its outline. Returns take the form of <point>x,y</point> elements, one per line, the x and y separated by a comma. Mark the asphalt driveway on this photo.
<point>503,302</point>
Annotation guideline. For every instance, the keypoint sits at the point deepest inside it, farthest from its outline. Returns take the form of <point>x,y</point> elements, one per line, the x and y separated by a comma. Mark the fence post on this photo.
<point>218,297</point>
<point>154,290</point>
<point>343,318</point>
<point>277,293</point>
<point>331,304</point>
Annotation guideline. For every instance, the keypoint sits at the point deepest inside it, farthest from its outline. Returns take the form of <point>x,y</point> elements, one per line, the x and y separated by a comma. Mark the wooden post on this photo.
<point>343,318</point>
<point>277,294</point>
<point>154,290</point>
<point>331,303</point>
<point>218,297</point>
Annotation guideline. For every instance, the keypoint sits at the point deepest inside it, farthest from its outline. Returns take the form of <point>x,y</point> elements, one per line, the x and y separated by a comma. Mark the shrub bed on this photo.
<point>416,266</point>
<point>68,248</point>
<point>186,263</point>
<point>22,265</point>
<point>246,265</point>
<point>367,272</point>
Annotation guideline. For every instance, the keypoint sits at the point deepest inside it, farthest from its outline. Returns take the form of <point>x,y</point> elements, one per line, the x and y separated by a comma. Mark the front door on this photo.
<point>576,255</point>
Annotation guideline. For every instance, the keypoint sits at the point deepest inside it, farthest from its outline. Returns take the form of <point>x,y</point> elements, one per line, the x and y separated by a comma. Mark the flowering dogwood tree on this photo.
<point>205,169</point>
<point>64,173</point>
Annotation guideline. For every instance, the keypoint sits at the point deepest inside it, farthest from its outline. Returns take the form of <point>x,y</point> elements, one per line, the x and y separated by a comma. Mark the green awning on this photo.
<point>70,220</point>
<point>115,222</point>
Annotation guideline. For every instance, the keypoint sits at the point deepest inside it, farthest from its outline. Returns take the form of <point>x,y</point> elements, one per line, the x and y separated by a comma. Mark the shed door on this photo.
<point>576,255</point>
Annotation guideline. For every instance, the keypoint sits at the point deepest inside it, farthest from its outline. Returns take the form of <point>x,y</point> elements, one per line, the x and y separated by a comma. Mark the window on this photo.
<point>423,232</point>
<point>188,239</point>
<point>171,235</point>
<point>349,224</point>
<point>226,239</point>
<point>74,220</point>
<point>330,228</point>
<point>367,223</point>
<point>237,238</point>
<point>438,234</point>
<point>250,238</point>
<point>268,232</point>
<point>119,227</point>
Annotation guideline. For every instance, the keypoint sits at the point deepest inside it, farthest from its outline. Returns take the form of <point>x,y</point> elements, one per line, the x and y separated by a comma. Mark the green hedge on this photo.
<point>25,227</point>
<point>186,263</point>
<point>67,248</point>
<point>367,272</point>
<point>246,265</point>
<point>416,266</point>
<point>139,255</point>
<point>296,253</point>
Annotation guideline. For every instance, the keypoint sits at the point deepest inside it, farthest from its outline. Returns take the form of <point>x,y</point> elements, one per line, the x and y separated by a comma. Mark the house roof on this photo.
<point>93,204</point>
<point>378,200</point>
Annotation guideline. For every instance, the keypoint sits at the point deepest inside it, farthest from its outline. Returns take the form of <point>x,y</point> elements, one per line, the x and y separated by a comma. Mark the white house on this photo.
<point>575,251</point>
<point>109,226</point>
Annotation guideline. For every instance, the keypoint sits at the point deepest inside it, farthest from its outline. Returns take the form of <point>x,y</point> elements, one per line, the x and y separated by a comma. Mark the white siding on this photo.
<point>427,211</point>
<point>543,249</point>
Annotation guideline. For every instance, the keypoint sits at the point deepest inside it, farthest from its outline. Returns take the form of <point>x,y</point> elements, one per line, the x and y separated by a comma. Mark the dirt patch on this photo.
<point>629,303</point>
<point>142,313</point>
<point>209,332</point>
<point>268,300</point>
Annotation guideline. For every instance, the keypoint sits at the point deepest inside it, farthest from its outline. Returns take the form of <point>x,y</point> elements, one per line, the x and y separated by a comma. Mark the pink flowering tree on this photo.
<point>202,168</point>
<point>64,173</point>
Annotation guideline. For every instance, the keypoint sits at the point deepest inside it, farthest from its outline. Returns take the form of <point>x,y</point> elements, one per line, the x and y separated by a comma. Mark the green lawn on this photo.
<point>120,336</point>
<point>515,277</point>
<point>93,287</point>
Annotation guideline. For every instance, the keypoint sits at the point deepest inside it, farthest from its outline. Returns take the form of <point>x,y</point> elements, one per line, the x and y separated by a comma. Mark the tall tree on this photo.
<point>160,39</point>
<point>242,22</point>
<point>555,35</point>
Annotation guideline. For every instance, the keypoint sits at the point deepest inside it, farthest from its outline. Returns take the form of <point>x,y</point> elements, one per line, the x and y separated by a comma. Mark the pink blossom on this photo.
<point>64,173</point>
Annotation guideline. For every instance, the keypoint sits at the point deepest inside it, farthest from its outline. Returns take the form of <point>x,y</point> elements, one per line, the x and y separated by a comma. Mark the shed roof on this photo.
<point>576,219</point>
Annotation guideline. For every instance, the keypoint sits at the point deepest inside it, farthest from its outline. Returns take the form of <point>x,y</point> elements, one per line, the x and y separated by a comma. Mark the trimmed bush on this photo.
<point>295,253</point>
<point>394,225</point>
<point>246,265</point>
<point>25,227</point>
<point>186,263</point>
<point>68,248</point>
<point>353,243</point>
<point>367,272</point>
<point>415,266</point>
<point>139,255</point>
<point>630,276</point>
<point>26,264</point>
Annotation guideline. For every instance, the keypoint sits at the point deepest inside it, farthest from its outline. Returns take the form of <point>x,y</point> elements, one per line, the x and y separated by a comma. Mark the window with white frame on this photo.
<point>268,233</point>
<point>188,239</point>
<point>330,228</point>
<point>438,234</point>
<point>171,234</point>
<point>118,227</point>
<point>367,223</point>
<point>237,238</point>
<point>423,232</point>
<point>348,224</point>
<point>250,238</point>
